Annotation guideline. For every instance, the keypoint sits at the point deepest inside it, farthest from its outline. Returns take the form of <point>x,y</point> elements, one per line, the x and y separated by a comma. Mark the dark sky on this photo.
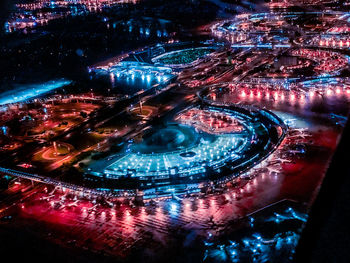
<point>5,6</point>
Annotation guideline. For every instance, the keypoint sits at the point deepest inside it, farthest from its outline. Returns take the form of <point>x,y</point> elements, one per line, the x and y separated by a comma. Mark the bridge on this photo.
<point>65,185</point>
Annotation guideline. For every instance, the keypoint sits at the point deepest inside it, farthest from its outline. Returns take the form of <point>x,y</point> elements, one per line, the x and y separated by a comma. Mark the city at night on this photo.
<point>177,131</point>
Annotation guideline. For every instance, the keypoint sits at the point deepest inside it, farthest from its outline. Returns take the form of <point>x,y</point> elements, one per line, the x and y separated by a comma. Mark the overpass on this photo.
<point>65,185</point>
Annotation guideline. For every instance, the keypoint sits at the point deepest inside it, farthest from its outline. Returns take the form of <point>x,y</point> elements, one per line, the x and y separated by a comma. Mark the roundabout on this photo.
<point>56,151</point>
<point>144,112</point>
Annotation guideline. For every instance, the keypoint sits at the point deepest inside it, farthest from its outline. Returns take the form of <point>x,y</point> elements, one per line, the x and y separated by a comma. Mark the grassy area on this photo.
<point>184,56</point>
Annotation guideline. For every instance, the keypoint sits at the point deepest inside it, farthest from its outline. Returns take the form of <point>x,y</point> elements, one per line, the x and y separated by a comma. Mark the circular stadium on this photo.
<point>198,146</point>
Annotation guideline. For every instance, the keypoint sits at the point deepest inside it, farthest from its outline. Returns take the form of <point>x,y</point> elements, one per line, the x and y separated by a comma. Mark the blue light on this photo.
<point>245,242</point>
<point>173,207</point>
<point>257,236</point>
<point>4,130</point>
<point>233,243</point>
<point>30,91</point>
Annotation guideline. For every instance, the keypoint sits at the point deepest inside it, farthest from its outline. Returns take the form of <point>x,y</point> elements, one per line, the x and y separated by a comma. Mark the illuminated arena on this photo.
<point>144,69</point>
<point>136,73</point>
<point>198,145</point>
